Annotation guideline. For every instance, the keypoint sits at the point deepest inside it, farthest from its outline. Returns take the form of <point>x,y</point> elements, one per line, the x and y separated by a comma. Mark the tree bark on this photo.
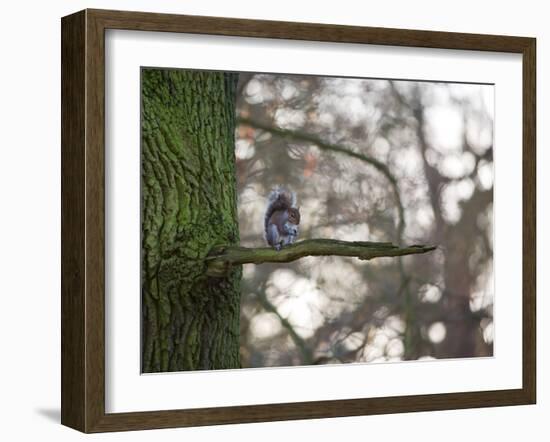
<point>189,205</point>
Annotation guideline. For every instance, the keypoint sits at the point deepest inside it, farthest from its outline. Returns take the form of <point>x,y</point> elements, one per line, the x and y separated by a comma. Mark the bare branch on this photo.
<point>308,138</point>
<point>301,344</point>
<point>221,259</point>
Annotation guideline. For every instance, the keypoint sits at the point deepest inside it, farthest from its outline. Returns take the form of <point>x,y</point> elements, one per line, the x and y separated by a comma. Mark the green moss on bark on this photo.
<point>189,321</point>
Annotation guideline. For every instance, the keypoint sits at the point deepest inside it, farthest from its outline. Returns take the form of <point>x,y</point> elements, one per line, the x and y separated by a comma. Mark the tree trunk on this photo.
<point>189,205</point>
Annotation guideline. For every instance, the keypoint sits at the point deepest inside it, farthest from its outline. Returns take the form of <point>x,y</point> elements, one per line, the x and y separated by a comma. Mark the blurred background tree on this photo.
<point>377,160</point>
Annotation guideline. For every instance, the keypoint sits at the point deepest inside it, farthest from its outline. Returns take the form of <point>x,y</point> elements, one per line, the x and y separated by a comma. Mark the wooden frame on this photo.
<point>83,214</point>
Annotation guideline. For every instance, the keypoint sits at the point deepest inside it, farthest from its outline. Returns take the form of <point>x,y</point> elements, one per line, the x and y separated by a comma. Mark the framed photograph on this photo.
<point>270,220</point>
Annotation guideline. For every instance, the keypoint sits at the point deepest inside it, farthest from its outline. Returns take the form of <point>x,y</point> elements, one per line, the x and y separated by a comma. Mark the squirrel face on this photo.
<point>294,215</point>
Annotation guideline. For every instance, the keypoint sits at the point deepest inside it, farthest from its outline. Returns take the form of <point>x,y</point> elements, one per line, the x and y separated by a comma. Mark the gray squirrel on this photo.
<point>281,218</point>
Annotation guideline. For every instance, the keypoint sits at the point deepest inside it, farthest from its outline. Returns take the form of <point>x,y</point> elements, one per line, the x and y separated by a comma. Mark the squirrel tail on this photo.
<point>278,199</point>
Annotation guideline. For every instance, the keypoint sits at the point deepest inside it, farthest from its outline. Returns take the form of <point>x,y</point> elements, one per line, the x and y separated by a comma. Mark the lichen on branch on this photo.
<point>221,259</point>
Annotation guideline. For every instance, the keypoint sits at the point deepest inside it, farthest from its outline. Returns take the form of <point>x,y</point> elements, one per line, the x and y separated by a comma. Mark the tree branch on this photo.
<point>308,138</point>
<point>301,344</point>
<point>221,259</point>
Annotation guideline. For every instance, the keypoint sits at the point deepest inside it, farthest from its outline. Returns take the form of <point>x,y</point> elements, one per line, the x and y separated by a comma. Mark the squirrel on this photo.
<point>281,218</point>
